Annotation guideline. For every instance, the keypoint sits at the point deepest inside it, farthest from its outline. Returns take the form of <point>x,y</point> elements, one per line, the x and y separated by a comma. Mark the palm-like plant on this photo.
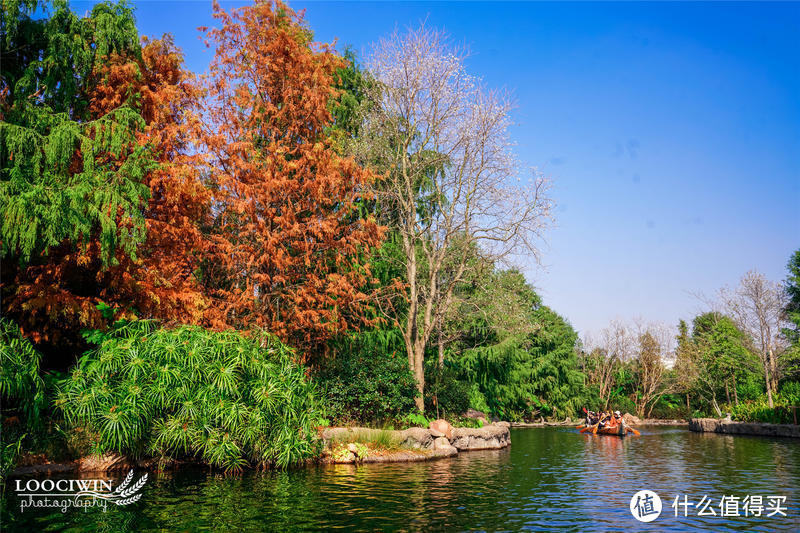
<point>220,397</point>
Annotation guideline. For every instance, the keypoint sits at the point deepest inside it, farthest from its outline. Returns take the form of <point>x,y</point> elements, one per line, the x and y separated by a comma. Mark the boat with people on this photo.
<point>606,423</point>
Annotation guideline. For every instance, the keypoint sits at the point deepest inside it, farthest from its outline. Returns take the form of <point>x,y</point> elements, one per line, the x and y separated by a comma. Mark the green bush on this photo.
<point>790,393</point>
<point>751,387</point>
<point>671,406</point>
<point>415,418</point>
<point>368,380</point>
<point>477,400</point>
<point>623,404</point>
<point>222,398</point>
<point>527,376</point>
<point>760,411</point>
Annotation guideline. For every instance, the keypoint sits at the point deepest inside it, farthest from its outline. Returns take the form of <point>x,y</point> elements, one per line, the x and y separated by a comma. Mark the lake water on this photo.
<point>549,478</point>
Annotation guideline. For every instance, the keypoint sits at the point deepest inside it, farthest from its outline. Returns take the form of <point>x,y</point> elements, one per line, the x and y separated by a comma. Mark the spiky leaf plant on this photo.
<point>220,397</point>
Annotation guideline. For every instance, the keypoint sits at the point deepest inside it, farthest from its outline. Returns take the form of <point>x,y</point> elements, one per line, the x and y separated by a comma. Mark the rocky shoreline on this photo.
<point>414,444</point>
<point>724,425</point>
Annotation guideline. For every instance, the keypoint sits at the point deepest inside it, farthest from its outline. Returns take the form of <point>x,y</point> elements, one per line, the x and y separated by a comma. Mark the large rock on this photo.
<point>478,415</point>
<point>441,443</point>
<point>474,413</point>
<point>714,425</point>
<point>631,420</point>
<point>416,438</point>
<point>490,437</point>
<point>109,462</point>
<point>408,456</point>
<point>443,427</point>
<point>348,434</point>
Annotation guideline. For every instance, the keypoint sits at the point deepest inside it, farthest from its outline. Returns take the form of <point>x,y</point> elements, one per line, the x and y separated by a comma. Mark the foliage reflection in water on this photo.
<point>550,477</point>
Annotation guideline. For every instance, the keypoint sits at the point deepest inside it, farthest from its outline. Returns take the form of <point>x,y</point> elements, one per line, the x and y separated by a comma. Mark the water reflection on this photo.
<point>550,477</point>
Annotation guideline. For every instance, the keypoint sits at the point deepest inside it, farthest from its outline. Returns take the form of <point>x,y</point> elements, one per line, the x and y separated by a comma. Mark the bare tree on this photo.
<point>613,348</point>
<point>451,181</point>
<point>757,306</point>
<point>646,348</point>
<point>655,350</point>
<point>687,368</point>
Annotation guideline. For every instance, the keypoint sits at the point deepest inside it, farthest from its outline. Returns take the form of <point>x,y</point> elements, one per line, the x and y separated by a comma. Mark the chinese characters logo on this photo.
<point>645,506</point>
<point>731,506</point>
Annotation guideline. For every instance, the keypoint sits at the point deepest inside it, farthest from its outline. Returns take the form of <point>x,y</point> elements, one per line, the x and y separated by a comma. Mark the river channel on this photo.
<point>550,478</point>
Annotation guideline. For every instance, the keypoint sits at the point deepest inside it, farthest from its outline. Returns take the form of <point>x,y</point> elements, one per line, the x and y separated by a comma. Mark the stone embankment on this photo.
<point>416,444</point>
<point>724,425</point>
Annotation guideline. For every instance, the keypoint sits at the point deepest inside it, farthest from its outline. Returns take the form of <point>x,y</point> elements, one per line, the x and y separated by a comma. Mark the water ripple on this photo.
<point>550,478</point>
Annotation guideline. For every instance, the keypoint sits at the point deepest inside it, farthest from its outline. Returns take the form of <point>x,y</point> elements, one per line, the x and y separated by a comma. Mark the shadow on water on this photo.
<point>550,477</point>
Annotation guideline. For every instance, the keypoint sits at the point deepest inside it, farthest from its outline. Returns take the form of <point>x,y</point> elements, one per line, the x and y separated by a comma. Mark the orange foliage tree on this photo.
<point>58,292</point>
<point>167,97</point>
<point>290,237</point>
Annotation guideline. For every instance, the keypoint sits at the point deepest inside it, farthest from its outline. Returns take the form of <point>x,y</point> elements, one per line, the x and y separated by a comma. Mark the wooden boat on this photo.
<point>619,430</point>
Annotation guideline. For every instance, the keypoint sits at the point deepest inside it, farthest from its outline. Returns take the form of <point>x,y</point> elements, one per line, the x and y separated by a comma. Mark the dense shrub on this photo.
<point>477,400</point>
<point>367,379</point>
<point>223,398</point>
<point>623,404</point>
<point>790,393</point>
<point>670,406</point>
<point>760,411</point>
<point>751,387</point>
<point>444,390</point>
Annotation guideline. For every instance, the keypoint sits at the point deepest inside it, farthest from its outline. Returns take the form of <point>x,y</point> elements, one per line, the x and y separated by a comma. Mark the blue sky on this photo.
<point>671,131</point>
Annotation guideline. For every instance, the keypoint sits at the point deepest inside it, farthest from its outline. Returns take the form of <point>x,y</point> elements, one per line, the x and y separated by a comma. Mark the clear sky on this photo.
<point>671,131</point>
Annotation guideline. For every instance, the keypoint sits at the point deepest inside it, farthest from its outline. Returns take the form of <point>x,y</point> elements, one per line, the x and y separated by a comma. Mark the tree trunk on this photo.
<point>769,386</point>
<point>419,374</point>
<point>441,350</point>
<point>716,406</point>
<point>773,370</point>
<point>688,407</point>
<point>735,392</point>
